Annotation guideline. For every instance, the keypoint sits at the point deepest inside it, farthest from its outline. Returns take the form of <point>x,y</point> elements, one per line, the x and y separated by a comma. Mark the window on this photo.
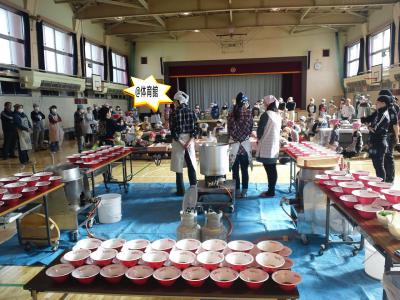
<point>353,59</point>
<point>379,49</point>
<point>12,38</point>
<point>119,68</point>
<point>94,60</point>
<point>58,50</point>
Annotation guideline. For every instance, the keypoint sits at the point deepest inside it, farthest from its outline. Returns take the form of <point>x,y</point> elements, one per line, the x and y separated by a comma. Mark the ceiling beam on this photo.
<point>177,7</point>
<point>303,15</point>
<point>242,20</point>
<point>118,3</point>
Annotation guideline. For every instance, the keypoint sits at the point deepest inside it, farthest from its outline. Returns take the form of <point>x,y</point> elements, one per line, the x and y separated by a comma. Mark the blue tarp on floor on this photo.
<point>151,211</point>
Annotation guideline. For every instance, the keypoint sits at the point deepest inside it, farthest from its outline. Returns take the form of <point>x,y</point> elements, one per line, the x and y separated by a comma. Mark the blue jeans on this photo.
<point>242,161</point>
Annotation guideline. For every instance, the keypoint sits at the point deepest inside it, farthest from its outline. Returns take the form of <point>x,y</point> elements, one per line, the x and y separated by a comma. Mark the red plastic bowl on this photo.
<point>368,211</point>
<point>331,173</point>
<point>163,245</point>
<point>195,276</point>
<point>224,277</point>
<point>239,261</point>
<point>337,190</point>
<point>139,274</point>
<point>391,195</point>
<point>103,257</point>
<point>89,244</point>
<point>339,179</point>
<point>43,186</point>
<point>7,180</point>
<point>288,264</point>
<point>214,245</point>
<point>44,176</point>
<point>287,280</point>
<point>322,178</point>
<point>379,186</point>
<point>270,246</point>
<point>86,274</point>
<point>60,273</point>
<point>240,246</point>
<point>188,245</point>
<point>155,259</point>
<point>138,244</point>
<point>73,158</point>
<point>285,252</point>
<point>210,259</point>
<point>254,278</point>
<point>30,181</point>
<point>116,244</point>
<point>182,259</point>
<point>349,200</point>
<point>365,196</point>
<point>87,158</point>
<point>329,183</point>
<point>129,258</point>
<point>15,187</point>
<point>113,273</point>
<point>29,192</point>
<point>270,262</point>
<point>77,257</point>
<point>358,174</point>
<point>23,174</point>
<point>2,193</point>
<point>55,180</point>
<point>366,179</point>
<point>11,199</point>
<point>167,276</point>
<point>349,187</point>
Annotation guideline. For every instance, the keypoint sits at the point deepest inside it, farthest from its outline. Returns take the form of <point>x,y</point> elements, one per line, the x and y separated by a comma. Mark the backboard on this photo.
<point>96,83</point>
<point>376,75</point>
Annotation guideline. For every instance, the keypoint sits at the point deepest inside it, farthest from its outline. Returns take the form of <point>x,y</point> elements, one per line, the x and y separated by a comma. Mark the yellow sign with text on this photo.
<point>148,92</point>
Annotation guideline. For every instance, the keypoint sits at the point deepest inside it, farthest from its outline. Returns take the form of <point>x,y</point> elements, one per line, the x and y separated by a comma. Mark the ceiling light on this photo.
<point>119,19</point>
<point>185,13</point>
<point>274,9</point>
<point>196,30</point>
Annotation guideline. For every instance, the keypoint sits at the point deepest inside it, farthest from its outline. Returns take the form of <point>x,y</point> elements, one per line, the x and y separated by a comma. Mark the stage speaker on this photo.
<point>162,65</point>
<point>308,59</point>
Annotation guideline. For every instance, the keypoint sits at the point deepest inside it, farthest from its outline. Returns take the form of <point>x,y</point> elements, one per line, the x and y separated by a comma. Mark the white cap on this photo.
<point>181,97</point>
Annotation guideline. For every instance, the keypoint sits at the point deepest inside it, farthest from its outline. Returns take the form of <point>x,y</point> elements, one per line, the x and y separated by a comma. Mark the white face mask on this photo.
<point>36,108</point>
<point>54,110</point>
<point>21,110</point>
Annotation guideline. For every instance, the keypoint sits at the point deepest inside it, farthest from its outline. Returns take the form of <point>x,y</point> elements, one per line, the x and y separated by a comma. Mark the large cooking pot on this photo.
<point>214,159</point>
<point>68,172</point>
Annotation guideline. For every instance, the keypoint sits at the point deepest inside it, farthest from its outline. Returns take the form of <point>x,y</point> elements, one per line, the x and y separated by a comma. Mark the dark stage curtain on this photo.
<point>361,58</point>
<point>40,45</point>
<point>75,54</point>
<point>83,56</point>
<point>27,39</point>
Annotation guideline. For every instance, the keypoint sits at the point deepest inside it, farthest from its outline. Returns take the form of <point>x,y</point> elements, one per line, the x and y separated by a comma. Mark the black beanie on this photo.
<point>240,98</point>
<point>385,92</point>
<point>385,99</point>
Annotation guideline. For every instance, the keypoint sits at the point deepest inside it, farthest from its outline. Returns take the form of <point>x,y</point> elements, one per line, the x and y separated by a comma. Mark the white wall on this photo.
<point>62,15</point>
<point>262,43</point>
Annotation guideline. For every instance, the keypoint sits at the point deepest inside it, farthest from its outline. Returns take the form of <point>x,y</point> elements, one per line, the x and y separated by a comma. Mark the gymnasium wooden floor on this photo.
<point>12,278</point>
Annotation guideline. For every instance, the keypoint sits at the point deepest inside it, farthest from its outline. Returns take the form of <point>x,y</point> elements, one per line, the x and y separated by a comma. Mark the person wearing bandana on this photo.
<point>378,125</point>
<point>268,135</point>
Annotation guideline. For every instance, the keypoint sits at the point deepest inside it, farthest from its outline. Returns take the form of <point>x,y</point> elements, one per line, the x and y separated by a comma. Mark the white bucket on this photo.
<point>109,209</point>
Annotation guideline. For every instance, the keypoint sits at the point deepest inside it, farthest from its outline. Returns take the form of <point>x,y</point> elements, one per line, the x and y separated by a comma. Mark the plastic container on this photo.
<point>109,209</point>
<point>374,262</point>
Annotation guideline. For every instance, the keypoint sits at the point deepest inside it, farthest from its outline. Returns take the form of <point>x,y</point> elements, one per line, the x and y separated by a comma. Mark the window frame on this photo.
<point>375,33</point>
<point>56,51</point>
<point>119,69</point>
<point>348,61</point>
<point>102,47</point>
<point>12,38</point>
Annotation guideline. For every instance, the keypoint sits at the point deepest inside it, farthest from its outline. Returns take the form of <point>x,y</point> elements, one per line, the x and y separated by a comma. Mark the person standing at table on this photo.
<point>78,126</point>
<point>95,112</point>
<point>24,129</point>
<point>378,125</point>
<point>184,128</point>
<point>240,125</point>
<point>37,118</point>
<point>393,136</point>
<point>9,131</point>
<point>88,124</point>
<point>347,110</point>
<point>268,135</point>
<point>56,132</point>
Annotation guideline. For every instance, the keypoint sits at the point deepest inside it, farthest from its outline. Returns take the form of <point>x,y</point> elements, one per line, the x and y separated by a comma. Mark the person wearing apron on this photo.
<point>24,137</point>
<point>183,126</point>
<point>240,125</point>
<point>268,135</point>
<point>378,127</point>
<point>56,132</point>
<point>37,118</point>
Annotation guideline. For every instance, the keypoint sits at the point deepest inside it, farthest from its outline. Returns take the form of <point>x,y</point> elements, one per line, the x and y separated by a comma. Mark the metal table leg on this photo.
<point>324,246</point>
<point>290,175</point>
<point>92,179</point>
<point>46,214</point>
<point>124,174</point>
<point>388,266</point>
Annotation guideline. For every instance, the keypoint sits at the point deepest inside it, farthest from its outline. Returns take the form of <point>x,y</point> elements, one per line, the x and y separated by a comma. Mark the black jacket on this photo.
<point>35,116</point>
<point>18,117</point>
<point>379,122</point>
<point>393,115</point>
<point>7,121</point>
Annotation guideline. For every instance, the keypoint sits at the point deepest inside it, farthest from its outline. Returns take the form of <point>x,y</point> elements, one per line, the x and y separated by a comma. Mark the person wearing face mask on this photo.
<point>78,126</point>
<point>378,125</point>
<point>37,118</point>
<point>24,129</point>
<point>268,135</point>
<point>108,126</point>
<point>56,132</point>
<point>9,131</point>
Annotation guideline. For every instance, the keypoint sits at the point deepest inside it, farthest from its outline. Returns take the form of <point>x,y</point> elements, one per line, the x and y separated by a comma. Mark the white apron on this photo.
<point>234,149</point>
<point>178,154</point>
<point>24,140</point>
<point>269,144</point>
